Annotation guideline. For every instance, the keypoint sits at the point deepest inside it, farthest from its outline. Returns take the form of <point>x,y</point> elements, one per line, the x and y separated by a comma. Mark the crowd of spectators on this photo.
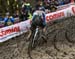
<point>27,10</point>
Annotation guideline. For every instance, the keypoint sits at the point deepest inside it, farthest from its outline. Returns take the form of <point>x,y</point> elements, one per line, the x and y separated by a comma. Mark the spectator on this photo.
<point>16,16</point>
<point>53,5</point>
<point>60,2</point>
<point>26,10</point>
<point>39,5</point>
<point>26,6</point>
<point>47,7</point>
<point>66,1</point>
<point>9,20</point>
<point>24,16</point>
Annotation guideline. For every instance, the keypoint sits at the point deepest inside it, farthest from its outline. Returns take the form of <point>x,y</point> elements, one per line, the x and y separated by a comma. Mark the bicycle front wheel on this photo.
<point>33,43</point>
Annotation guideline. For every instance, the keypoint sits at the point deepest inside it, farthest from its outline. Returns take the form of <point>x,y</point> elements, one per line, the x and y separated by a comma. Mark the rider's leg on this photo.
<point>44,28</point>
<point>33,26</point>
<point>29,34</point>
<point>44,35</point>
<point>44,32</point>
<point>44,22</point>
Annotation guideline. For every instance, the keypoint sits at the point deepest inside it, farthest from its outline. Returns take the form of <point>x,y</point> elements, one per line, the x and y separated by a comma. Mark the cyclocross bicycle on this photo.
<point>35,38</point>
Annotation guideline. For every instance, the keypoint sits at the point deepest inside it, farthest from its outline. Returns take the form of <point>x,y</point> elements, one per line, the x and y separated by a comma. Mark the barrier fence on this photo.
<point>8,32</point>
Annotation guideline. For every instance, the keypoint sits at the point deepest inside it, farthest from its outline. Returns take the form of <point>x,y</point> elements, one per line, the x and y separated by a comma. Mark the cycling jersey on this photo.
<point>38,19</point>
<point>40,14</point>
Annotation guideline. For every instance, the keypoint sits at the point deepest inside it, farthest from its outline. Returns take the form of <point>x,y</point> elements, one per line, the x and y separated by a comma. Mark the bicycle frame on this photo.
<point>36,32</point>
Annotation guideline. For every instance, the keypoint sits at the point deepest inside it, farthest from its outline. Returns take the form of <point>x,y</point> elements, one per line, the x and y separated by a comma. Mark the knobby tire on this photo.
<point>31,46</point>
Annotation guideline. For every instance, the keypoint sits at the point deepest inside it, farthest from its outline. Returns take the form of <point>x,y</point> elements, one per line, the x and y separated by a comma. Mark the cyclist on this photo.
<point>39,13</point>
<point>38,19</point>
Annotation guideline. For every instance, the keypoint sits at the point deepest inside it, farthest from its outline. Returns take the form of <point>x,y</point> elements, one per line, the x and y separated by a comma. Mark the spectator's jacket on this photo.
<point>24,16</point>
<point>54,3</point>
<point>30,16</point>
<point>26,7</point>
<point>47,6</point>
<point>8,20</point>
<point>26,11</point>
<point>47,1</point>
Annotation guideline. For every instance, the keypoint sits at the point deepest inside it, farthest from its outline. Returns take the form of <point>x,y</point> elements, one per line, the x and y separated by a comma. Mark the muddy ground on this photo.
<point>16,48</point>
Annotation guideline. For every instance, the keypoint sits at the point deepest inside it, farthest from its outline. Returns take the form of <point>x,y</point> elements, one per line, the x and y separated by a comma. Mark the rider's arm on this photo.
<point>44,18</point>
<point>34,16</point>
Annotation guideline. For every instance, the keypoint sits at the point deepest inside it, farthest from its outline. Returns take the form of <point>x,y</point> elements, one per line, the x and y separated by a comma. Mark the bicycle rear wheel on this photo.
<point>70,35</point>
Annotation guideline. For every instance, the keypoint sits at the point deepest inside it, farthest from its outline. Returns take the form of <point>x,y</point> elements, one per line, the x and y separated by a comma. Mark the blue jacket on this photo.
<point>1,19</point>
<point>7,19</point>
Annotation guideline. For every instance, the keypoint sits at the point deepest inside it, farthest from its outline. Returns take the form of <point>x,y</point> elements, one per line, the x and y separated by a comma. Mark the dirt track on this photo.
<point>16,48</point>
